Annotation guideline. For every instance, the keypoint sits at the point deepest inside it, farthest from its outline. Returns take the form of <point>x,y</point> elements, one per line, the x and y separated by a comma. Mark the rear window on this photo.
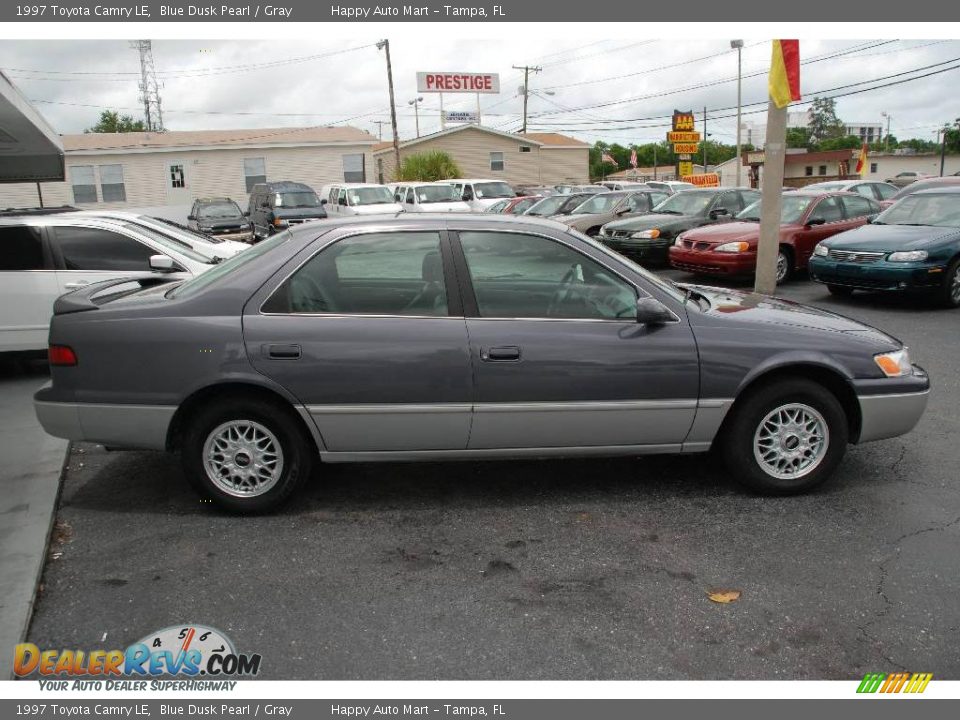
<point>20,249</point>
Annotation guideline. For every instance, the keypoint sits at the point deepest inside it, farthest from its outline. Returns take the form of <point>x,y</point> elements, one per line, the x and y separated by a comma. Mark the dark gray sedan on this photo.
<point>422,338</point>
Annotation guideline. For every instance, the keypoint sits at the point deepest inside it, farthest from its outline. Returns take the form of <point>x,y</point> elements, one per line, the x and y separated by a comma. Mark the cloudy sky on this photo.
<point>615,90</point>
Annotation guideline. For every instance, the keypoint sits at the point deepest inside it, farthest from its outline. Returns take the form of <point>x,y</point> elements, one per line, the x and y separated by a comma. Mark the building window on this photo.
<point>177,177</point>
<point>809,170</point>
<point>353,170</point>
<point>524,148</point>
<point>84,186</point>
<point>380,170</point>
<point>112,188</point>
<point>873,167</point>
<point>496,161</point>
<point>254,171</point>
<point>822,169</point>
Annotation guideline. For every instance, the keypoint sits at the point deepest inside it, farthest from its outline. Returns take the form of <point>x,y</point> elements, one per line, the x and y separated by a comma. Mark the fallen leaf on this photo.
<point>723,596</point>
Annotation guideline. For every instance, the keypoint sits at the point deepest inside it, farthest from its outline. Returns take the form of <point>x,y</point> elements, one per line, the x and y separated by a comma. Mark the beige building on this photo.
<point>881,166</point>
<point>531,159</point>
<point>135,170</point>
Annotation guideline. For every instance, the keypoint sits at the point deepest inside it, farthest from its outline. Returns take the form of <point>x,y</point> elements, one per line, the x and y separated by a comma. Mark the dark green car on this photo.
<point>912,246</point>
<point>648,238</point>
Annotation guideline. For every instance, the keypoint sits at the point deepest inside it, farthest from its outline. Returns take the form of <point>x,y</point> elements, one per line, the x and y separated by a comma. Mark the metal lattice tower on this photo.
<point>149,88</point>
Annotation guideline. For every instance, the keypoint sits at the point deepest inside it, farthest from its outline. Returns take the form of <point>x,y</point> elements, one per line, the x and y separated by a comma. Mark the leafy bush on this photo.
<point>428,167</point>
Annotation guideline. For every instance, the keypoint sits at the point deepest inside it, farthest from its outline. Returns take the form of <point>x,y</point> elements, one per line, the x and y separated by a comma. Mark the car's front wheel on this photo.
<point>950,290</point>
<point>840,290</point>
<point>246,455</point>
<point>784,266</point>
<point>785,437</point>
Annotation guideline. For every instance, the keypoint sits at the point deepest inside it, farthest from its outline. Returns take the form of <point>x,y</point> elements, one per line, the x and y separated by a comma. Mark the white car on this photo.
<point>349,199</point>
<point>481,194</point>
<point>45,256</point>
<point>208,246</point>
<point>429,197</point>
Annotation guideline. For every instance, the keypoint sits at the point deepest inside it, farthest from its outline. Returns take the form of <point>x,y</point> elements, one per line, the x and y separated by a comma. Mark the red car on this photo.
<point>730,249</point>
<point>514,206</point>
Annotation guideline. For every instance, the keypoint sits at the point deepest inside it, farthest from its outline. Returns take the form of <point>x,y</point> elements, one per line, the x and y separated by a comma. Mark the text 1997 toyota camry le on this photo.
<point>416,338</point>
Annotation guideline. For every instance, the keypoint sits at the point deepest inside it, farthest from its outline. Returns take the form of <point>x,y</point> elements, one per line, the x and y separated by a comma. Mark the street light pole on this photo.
<point>385,45</point>
<point>886,140</point>
<point>526,89</point>
<point>738,46</point>
<point>416,111</point>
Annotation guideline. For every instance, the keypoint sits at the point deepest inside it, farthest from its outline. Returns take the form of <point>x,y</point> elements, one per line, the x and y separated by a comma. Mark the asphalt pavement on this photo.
<point>577,569</point>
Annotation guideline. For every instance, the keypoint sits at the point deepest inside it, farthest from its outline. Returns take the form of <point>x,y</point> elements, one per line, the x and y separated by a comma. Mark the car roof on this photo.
<point>283,185</point>
<point>440,220</point>
<point>952,189</point>
<point>213,199</point>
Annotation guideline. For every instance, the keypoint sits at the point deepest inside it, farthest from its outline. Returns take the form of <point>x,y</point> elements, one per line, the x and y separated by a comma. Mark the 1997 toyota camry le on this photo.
<point>459,336</point>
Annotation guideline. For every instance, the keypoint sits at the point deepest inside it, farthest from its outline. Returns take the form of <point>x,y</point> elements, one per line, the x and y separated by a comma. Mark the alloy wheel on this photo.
<point>243,458</point>
<point>791,441</point>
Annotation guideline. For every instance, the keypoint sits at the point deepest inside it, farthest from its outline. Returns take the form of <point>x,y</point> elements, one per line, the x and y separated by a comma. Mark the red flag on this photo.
<point>862,160</point>
<point>608,159</point>
<point>784,79</point>
<point>633,158</point>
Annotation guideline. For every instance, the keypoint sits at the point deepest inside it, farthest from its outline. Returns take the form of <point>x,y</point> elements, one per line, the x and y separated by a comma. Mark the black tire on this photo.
<point>738,438</point>
<point>593,232</point>
<point>949,292</point>
<point>298,453</point>
<point>784,265</point>
<point>840,290</point>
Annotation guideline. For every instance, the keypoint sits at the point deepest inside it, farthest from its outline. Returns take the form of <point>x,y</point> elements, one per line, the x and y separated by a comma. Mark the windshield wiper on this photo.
<point>669,212</point>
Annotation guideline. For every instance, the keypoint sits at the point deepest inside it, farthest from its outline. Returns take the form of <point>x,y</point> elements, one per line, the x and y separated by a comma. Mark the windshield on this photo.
<point>936,210</point>
<point>600,203</point>
<point>921,185</point>
<point>493,190</point>
<point>686,203</point>
<point>219,211</point>
<point>173,244</point>
<point>572,203</point>
<point>436,193</point>
<point>548,206</point>
<point>667,286</point>
<point>305,199</point>
<point>199,282</point>
<point>826,186</point>
<point>370,196</point>
<point>792,208</point>
<point>198,237</point>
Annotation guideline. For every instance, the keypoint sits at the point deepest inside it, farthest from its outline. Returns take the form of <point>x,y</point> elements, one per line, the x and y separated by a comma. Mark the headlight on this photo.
<point>908,256</point>
<point>821,250</point>
<point>646,234</point>
<point>733,247</point>
<point>894,364</point>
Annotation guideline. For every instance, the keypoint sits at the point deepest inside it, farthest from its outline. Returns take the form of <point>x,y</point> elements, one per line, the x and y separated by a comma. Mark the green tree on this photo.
<point>799,137</point>
<point>847,142</point>
<point>429,167</point>
<point>112,121</point>
<point>952,140</point>
<point>824,123</point>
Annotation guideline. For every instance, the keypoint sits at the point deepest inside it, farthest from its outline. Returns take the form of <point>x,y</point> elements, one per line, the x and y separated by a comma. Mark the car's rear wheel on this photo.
<point>246,455</point>
<point>950,290</point>
<point>784,266</point>
<point>840,290</point>
<point>785,437</point>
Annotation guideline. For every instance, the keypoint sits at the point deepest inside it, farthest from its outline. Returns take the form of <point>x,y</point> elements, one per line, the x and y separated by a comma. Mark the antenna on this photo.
<point>149,89</point>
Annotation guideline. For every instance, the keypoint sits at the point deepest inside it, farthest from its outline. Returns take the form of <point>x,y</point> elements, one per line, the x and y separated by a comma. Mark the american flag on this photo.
<point>633,158</point>
<point>608,159</point>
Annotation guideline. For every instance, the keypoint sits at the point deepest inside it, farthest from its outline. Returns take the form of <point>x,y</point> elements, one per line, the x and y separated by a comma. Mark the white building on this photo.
<point>881,166</point>
<point>135,170</point>
<point>755,133</point>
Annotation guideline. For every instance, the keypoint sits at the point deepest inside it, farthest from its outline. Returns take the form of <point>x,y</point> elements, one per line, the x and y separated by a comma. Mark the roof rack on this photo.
<point>14,212</point>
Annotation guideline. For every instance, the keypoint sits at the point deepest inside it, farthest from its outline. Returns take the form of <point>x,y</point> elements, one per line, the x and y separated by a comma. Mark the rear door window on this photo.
<point>828,209</point>
<point>83,248</point>
<point>21,248</point>
<point>856,206</point>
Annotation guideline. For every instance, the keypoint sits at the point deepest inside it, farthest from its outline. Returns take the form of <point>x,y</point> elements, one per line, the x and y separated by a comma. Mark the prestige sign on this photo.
<point>457,82</point>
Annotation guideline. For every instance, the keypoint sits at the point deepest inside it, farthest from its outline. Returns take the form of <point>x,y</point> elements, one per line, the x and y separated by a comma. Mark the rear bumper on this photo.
<point>877,276</point>
<point>707,262</point>
<point>887,415</point>
<point>134,426</point>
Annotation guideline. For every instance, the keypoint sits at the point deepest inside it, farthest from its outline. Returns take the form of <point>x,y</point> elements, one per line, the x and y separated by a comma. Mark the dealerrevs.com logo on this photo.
<point>179,651</point>
<point>901,682</point>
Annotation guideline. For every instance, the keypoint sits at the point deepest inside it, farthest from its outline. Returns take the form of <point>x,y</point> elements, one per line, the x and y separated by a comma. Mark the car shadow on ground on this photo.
<point>153,483</point>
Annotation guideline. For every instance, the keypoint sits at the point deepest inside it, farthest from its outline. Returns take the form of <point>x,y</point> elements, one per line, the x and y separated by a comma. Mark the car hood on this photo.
<point>888,238</point>
<point>753,307</point>
<point>725,232</point>
<point>219,223</point>
<point>438,207</point>
<point>652,220</point>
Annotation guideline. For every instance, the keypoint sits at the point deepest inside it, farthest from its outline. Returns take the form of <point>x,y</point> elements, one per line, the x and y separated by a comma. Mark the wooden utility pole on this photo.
<point>385,45</point>
<point>704,139</point>
<point>771,193</point>
<point>526,89</point>
<point>379,124</point>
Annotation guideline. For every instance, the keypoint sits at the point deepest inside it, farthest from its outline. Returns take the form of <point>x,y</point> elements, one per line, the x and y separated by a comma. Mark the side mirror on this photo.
<point>717,212</point>
<point>191,217</point>
<point>653,312</point>
<point>624,211</point>
<point>246,213</point>
<point>816,221</point>
<point>162,263</point>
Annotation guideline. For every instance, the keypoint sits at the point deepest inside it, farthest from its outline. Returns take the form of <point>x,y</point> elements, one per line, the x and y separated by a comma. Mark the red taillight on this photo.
<point>62,355</point>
